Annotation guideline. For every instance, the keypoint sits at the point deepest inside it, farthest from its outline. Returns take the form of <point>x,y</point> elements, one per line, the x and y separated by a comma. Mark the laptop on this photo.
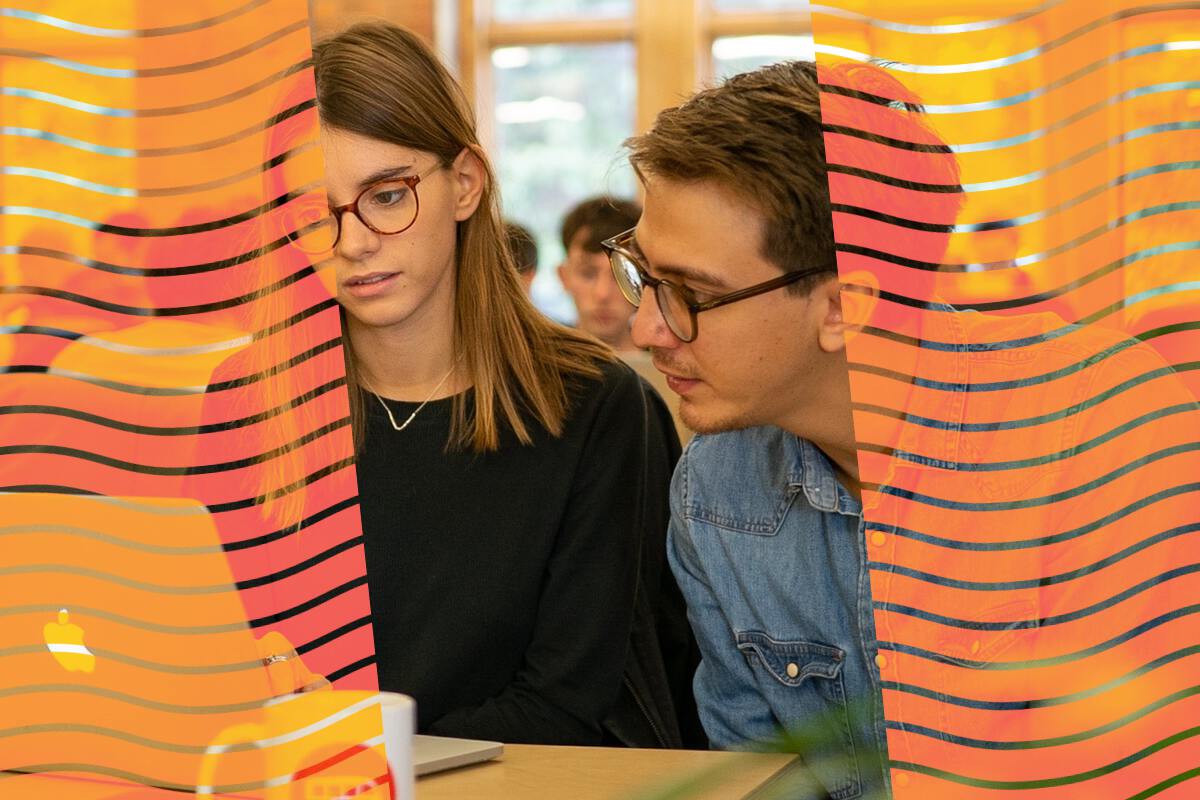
<point>127,664</point>
<point>437,753</point>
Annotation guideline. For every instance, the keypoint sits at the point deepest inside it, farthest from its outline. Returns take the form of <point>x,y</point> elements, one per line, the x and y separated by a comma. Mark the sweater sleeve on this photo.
<point>572,669</point>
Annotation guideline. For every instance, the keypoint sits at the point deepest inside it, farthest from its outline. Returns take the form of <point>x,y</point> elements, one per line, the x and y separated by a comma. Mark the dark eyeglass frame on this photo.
<point>620,245</point>
<point>411,181</point>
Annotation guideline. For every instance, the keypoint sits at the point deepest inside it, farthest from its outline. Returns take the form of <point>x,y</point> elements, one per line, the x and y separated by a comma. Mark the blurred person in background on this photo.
<point>603,310</point>
<point>524,250</point>
<point>585,274</point>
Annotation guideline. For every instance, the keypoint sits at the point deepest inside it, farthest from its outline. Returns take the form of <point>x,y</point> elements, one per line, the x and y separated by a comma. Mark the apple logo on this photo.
<point>65,640</point>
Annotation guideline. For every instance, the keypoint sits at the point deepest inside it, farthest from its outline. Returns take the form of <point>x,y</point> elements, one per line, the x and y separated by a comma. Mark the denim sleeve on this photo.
<point>734,713</point>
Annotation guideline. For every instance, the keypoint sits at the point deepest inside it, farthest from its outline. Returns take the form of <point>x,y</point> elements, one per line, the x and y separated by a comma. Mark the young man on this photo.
<point>736,199</point>
<point>585,274</point>
<point>585,271</point>
<point>890,599</point>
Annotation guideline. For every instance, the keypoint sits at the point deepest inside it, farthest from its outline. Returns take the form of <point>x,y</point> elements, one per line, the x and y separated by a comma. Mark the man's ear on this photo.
<point>469,178</point>
<point>848,304</point>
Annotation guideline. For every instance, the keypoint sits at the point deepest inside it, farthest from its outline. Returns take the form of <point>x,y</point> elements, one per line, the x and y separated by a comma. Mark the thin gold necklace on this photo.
<point>425,402</point>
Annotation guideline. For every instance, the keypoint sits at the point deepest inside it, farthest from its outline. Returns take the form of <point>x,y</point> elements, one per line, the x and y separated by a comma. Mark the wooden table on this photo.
<point>538,772</point>
<point>526,772</point>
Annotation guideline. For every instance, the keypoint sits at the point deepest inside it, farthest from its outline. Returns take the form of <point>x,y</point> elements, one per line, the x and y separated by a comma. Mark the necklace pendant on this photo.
<point>411,417</point>
<point>388,410</point>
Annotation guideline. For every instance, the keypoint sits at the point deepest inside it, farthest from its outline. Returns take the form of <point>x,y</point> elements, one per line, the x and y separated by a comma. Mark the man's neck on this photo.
<point>845,467</point>
<point>827,421</point>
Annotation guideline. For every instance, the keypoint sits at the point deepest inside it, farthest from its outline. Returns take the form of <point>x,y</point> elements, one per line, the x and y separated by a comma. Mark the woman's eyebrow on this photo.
<point>385,174</point>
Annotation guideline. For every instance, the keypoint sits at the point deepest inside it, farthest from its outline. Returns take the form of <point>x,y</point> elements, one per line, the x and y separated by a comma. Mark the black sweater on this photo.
<point>502,584</point>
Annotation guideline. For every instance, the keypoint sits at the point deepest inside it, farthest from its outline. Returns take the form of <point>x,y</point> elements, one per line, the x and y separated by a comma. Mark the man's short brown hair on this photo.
<point>602,217</point>
<point>760,135</point>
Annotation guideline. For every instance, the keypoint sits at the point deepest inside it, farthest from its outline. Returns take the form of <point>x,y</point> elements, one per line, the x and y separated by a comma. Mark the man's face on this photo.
<point>603,310</point>
<point>751,361</point>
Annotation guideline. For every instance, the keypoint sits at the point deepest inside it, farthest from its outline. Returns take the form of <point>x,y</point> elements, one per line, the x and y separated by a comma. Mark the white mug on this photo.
<point>317,744</point>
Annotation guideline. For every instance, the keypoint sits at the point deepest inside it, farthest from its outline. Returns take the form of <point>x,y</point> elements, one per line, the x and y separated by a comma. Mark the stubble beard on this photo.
<point>696,422</point>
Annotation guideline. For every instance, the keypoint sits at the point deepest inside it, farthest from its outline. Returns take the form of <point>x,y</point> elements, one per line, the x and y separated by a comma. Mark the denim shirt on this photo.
<point>768,549</point>
<point>785,583</point>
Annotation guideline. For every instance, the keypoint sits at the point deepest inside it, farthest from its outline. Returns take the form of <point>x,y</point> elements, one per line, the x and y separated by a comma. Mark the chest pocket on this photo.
<point>802,682</point>
<point>961,651</point>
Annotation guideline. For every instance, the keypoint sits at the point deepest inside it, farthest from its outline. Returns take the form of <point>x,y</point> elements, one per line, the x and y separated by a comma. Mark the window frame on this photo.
<point>673,44</point>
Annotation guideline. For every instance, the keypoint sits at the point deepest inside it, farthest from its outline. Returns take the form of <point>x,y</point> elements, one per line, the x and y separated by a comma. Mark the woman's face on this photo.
<point>404,281</point>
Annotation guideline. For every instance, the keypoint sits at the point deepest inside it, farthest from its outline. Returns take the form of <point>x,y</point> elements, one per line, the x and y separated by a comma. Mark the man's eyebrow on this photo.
<point>691,274</point>
<point>681,272</point>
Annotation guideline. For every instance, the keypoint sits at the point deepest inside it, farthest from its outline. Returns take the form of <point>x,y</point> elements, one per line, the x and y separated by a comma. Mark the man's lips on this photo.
<point>370,284</point>
<point>679,384</point>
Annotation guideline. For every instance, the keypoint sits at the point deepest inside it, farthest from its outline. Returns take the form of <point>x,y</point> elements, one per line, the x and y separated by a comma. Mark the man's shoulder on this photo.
<point>735,450</point>
<point>737,478</point>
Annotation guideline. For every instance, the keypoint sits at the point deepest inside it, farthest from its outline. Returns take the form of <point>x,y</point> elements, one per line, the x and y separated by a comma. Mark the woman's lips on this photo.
<point>371,284</point>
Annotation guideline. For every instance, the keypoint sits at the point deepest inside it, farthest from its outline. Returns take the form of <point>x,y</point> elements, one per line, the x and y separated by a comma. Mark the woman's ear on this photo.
<point>469,177</point>
<point>848,304</point>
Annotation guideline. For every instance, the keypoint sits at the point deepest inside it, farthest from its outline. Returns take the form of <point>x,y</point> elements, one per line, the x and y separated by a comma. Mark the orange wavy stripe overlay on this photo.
<point>1022,252</point>
<point>179,531</point>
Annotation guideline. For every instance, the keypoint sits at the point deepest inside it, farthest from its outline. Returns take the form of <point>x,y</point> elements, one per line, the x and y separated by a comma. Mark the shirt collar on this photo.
<point>938,446</point>
<point>811,472</point>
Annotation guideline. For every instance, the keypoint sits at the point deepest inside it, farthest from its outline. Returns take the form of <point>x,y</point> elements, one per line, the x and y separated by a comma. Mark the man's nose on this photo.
<point>649,328</point>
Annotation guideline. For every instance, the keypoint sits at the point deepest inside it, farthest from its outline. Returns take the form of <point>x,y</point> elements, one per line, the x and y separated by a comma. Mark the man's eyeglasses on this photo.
<point>387,208</point>
<point>677,304</point>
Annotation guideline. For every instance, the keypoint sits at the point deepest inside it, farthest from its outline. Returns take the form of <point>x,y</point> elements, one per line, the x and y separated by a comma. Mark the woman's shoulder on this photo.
<point>611,377</point>
<point>608,398</point>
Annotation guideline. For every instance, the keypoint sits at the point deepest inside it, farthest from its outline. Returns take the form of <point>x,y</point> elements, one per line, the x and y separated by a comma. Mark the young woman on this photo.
<point>502,458</point>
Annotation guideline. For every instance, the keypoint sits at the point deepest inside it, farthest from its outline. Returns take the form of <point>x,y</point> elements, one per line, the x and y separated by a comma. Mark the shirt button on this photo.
<point>901,779</point>
<point>974,647</point>
<point>878,538</point>
<point>793,670</point>
<point>880,661</point>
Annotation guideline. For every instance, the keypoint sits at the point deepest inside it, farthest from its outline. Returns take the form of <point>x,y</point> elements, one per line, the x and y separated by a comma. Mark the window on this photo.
<point>761,5</point>
<point>734,54</point>
<point>560,114</point>
<point>560,84</point>
<point>525,10</point>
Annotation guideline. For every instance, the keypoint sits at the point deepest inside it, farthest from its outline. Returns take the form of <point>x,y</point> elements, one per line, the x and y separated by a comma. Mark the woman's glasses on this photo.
<point>677,304</point>
<point>387,208</point>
